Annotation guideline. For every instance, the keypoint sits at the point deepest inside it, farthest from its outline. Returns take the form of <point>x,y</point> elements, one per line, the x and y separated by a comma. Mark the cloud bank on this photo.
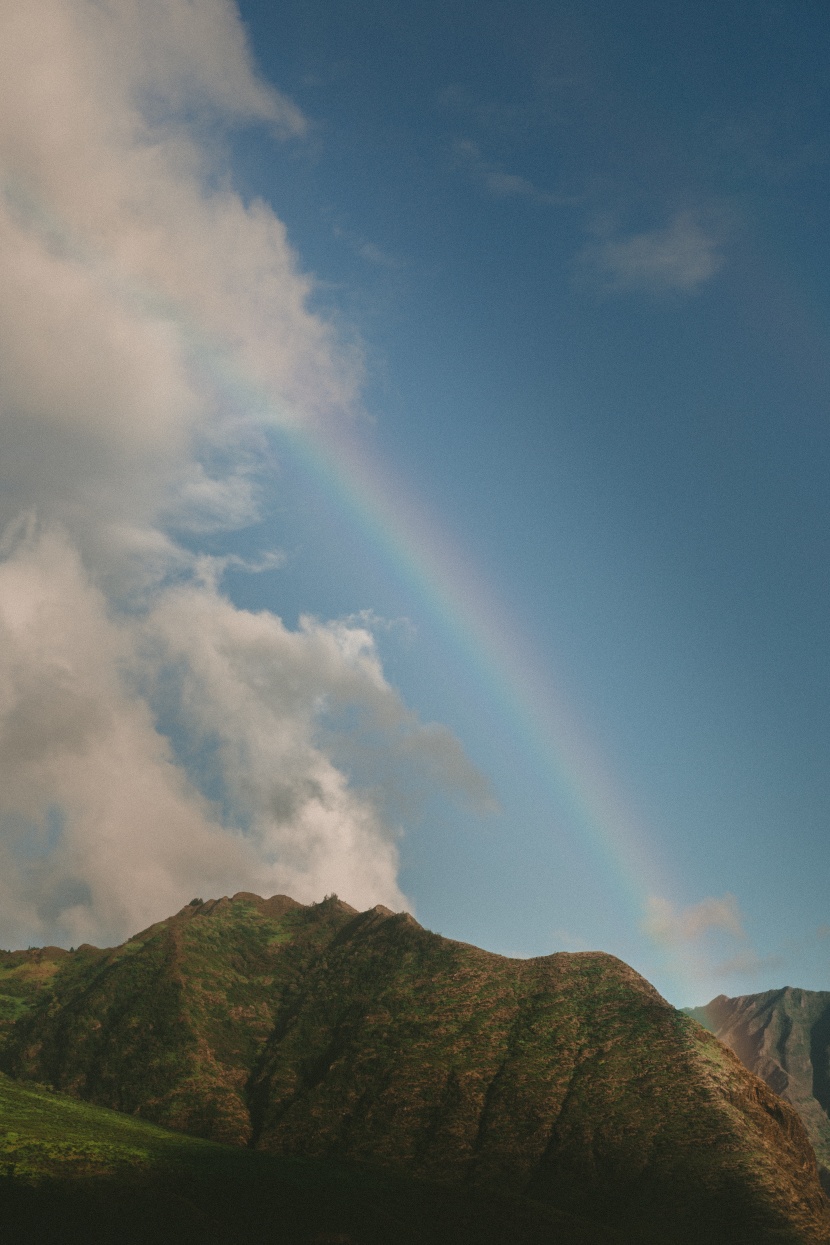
<point>156,741</point>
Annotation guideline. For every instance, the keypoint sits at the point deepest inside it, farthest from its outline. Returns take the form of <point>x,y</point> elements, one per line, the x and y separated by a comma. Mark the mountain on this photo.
<point>323,1034</point>
<point>783,1036</point>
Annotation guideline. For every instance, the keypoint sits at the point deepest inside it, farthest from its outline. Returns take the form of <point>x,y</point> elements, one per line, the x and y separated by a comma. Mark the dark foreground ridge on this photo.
<point>75,1173</point>
<point>366,1049</point>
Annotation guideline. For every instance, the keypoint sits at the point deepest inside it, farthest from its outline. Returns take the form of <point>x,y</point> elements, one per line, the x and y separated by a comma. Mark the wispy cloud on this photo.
<point>707,938</point>
<point>496,179</point>
<point>209,568</point>
<point>374,622</point>
<point>488,115</point>
<point>370,251</point>
<point>569,942</point>
<point>707,945</point>
<point>677,257</point>
<point>746,963</point>
<point>672,926</point>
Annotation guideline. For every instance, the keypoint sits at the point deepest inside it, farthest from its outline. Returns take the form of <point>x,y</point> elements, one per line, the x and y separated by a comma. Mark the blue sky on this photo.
<point>585,247</point>
<point>563,524</point>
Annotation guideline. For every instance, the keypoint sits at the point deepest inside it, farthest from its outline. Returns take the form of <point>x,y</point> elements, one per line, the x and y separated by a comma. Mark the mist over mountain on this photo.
<point>323,1034</point>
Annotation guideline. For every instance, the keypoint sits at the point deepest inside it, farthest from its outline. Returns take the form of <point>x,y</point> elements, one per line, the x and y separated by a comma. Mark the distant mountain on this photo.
<point>325,1034</point>
<point>783,1036</point>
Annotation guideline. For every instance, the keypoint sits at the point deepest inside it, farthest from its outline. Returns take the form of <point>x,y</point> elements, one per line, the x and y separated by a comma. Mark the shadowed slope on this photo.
<point>323,1033</point>
<point>71,1172</point>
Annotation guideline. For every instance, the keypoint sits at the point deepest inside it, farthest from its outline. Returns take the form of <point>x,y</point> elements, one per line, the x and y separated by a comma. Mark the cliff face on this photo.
<point>324,1033</point>
<point>783,1036</point>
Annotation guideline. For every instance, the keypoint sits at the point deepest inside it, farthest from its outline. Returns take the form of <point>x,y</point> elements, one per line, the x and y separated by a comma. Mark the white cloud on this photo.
<point>187,55</point>
<point>251,692</point>
<point>680,256</point>
<point>242,791</point>
<point>155,741</point>
<point>74,742</point>
<point>214,503</point>
<point>145,309</point>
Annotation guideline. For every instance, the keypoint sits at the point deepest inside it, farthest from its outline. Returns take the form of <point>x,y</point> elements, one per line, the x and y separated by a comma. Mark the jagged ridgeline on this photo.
<point>318,1033</point>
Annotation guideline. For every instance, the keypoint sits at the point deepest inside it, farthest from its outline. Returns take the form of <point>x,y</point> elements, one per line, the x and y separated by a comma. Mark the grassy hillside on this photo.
<point>320,1033</point>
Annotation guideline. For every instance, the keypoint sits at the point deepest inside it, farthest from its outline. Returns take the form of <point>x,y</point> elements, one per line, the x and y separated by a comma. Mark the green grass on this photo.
<point>47,1135</point>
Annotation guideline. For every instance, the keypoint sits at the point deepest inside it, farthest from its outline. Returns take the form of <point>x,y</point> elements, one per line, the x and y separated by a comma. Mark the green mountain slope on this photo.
<point>321,1033</point>
<point>783,1036</point>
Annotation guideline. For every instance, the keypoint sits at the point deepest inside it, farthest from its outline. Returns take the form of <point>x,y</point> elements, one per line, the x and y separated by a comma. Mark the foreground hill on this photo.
<point>783,1036</point>
<point>322,1033</point>
<point>71,1172</point>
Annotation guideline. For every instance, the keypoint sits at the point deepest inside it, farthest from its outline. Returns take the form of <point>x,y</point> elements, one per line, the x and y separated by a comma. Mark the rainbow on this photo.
<point>521,686</point>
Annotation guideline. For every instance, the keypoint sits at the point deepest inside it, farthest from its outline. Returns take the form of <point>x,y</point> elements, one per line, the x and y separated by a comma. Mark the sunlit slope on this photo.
<point>783,1036</point>
<point>46,1134</point>
<point>323,1033</point>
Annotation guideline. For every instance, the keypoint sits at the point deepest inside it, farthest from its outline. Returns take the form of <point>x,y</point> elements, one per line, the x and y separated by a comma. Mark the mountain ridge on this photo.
<point>317,1032</point>
<point>783,1036</point>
